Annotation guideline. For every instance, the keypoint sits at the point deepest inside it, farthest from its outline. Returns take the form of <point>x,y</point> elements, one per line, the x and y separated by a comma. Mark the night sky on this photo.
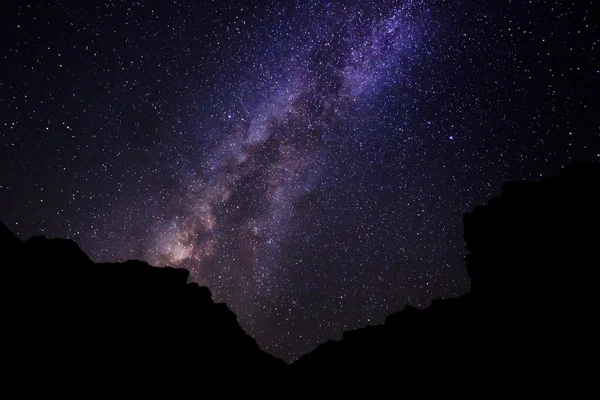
<point>308,161</point>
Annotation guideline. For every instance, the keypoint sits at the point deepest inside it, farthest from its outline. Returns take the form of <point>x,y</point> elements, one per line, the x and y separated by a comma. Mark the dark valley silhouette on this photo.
<point>528,323</point>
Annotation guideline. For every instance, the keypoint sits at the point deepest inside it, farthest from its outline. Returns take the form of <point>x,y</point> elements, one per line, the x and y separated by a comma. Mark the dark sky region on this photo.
<point>308,161</point>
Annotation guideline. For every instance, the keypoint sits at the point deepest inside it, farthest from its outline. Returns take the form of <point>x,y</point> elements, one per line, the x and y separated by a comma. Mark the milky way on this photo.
<point>272,155</point>
<point>308,161</point>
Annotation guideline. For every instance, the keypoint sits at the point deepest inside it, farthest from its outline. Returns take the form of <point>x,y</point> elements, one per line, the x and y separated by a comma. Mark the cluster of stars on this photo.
<point>308,161</point>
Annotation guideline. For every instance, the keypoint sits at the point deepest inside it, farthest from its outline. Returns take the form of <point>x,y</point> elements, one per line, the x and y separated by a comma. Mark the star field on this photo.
<point>308,161</point>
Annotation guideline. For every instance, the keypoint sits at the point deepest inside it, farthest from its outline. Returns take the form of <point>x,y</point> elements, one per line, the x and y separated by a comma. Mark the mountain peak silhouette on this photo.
<point>72,321</point>
<point>527,325</point>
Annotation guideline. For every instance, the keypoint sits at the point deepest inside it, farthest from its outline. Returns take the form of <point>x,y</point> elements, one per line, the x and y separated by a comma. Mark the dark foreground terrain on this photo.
<point>528,325</point>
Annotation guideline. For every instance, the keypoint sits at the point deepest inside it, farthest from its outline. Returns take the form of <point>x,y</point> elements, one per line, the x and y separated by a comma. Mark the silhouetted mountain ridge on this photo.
<point>70,319</point>
<point>527,322</point>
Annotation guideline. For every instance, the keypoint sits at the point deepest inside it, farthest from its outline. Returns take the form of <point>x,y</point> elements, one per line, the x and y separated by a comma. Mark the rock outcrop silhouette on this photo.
<point>71,323</point>
<point>528,322</point>
<point>528,325</point>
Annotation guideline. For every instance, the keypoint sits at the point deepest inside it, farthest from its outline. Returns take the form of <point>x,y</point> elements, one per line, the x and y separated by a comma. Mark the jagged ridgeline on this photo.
<point>69,321</point>
<point>529,322</point>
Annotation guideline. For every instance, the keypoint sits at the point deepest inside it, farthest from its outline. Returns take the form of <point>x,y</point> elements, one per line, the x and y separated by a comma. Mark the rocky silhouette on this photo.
<point>528,323</point>
<point>69,322</point>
